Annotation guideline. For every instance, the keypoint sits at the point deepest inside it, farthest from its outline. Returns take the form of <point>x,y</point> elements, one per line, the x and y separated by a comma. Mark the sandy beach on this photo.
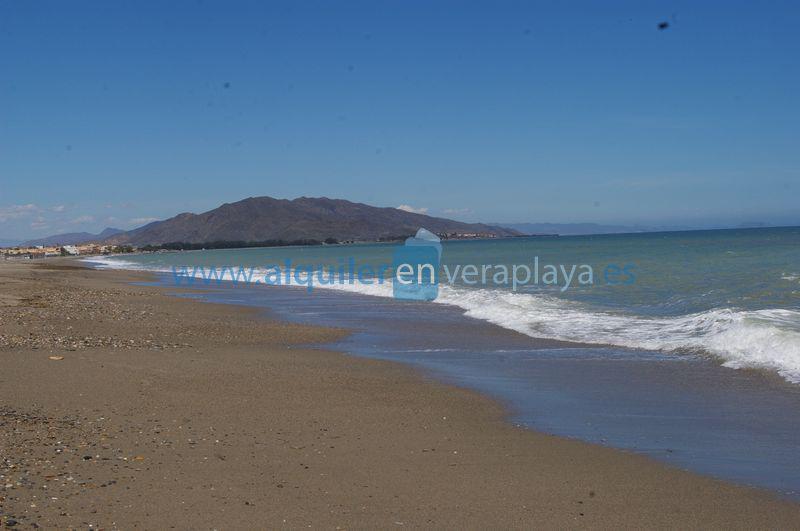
<point>125,407</point>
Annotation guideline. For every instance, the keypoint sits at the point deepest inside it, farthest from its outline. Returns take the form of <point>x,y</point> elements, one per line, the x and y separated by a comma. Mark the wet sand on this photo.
<point>124,407</point>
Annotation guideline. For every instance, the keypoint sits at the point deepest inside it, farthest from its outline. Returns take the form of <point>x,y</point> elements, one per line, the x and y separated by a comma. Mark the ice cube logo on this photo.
<point>416,267</point>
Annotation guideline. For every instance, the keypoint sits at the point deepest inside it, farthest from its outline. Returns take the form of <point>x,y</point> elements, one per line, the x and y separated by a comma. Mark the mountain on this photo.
<point>7,242</point>
<point>567,229</point>
<point>73,238</point>
<point>258,219</point>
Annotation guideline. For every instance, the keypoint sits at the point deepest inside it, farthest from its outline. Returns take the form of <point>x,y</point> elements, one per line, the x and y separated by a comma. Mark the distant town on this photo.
<point>40,251</point>
<point>93,249</point>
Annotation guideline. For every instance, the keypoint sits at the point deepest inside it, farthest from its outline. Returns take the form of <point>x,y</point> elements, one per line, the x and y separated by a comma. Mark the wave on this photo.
<point>110,262</point>
<point>755,339</point>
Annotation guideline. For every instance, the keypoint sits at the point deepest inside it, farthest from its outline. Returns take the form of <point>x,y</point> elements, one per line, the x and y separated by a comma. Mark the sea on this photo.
<point>684,346</point>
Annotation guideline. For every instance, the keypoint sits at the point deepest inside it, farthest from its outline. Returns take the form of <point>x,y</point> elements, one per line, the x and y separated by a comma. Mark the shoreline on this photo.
<point>310,437</point>
<point>591,326</point>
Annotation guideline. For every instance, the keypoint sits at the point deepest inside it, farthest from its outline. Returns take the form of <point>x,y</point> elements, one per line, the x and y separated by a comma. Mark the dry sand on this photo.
<point>168,412</point>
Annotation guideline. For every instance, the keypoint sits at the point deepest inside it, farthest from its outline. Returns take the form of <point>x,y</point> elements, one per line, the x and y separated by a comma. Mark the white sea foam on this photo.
<point>111,262</point>
<point>762,339</point>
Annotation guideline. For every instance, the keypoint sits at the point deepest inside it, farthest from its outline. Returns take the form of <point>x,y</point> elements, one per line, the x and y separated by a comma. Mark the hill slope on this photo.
<point>263,218</point>
<point>73,238</point>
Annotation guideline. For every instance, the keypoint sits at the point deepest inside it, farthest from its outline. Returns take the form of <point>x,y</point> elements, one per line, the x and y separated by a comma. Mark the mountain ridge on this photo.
<point>257,219</point>
<point>73,238</point>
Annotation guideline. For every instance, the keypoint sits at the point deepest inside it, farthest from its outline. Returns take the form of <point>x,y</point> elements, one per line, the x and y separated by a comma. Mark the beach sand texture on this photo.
<point>123,407</point>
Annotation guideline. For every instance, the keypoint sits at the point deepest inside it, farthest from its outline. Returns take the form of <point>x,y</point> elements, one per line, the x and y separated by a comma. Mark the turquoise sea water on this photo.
<point>732,295</point>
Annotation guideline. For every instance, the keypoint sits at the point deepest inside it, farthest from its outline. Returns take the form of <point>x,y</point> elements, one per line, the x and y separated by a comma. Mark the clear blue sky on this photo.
<point>115,112</point>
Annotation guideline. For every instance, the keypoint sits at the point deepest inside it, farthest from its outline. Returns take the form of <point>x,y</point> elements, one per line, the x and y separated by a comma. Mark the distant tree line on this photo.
<point>185,246</point>
<point>225,244</point>
<point>122,249</point>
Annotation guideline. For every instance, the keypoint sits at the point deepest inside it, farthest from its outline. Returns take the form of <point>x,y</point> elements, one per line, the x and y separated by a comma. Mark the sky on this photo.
<point>118,113</point>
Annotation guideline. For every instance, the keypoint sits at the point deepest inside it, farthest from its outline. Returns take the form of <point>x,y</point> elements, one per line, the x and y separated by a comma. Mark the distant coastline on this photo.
<point>96,248</point>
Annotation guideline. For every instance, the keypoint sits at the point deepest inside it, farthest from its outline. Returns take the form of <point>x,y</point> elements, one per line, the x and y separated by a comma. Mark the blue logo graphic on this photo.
<point>416,267</point>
